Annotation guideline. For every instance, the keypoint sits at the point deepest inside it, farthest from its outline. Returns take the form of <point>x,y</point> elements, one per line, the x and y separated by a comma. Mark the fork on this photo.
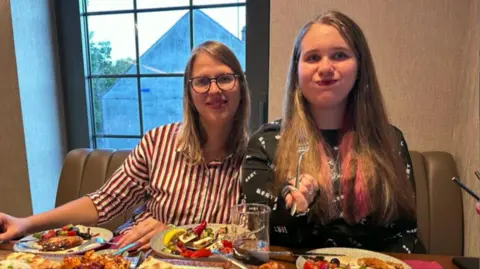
<point>95,240</point>
<point>301,149</point>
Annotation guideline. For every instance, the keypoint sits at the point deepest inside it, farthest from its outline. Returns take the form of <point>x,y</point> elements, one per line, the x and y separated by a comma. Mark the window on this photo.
<point>135,74</point>
<point>122,63</point>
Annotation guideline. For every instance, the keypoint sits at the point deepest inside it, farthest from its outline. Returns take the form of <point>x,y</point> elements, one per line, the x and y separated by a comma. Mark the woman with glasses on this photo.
<point>181,173</point>
<point>334,170</point>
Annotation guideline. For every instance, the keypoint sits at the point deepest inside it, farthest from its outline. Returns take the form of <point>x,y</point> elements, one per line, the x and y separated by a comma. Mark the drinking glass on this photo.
<point>250,233</point>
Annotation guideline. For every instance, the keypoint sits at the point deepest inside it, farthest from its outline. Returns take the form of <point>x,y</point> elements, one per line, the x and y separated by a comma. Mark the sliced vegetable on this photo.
<point>37,235</point>
<point>173,234</point>
<point>186,253</point>
<point>199,229</point>
<point>227,244</point>
<point>201,253</point>
<point>49,234</point>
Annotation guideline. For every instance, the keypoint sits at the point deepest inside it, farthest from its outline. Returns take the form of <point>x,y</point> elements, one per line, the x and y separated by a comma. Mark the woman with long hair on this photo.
<point>355,182</point>
<point>181,173</point>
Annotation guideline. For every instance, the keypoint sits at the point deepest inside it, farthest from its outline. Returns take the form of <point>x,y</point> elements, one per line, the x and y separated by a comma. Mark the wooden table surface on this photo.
<point>289,262</point>
<point>444,261</point>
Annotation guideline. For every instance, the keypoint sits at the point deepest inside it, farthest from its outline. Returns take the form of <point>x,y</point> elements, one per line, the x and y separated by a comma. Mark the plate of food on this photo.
<point>194,241</point>
<point>353,259</point>
<point>89,260</point>
<point>68,240</point>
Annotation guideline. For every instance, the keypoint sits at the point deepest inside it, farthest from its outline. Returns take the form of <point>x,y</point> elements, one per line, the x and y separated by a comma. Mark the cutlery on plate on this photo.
<point>224,257</point>
<point>26,240</point>
<point>305,254</point>
<point>137,260</point>
<point>125,248</point>
<point>95,240</point>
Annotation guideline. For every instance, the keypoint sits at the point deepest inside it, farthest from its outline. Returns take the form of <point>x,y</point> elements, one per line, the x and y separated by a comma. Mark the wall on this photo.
<point>14,187</point>
<point>36,53</point>
<point>426,56</point>
<point>33,103</point>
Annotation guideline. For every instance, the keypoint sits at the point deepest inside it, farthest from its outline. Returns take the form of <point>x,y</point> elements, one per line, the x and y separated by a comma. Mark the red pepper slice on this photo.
<point>227,244</point>
<point>226,250</point>
<point>201,253</point>
<point>187,253</point>
<point>199,229</point>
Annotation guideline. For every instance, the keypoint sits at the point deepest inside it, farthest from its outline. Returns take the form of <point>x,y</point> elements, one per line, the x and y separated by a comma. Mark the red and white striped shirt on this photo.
<point>177,192</point>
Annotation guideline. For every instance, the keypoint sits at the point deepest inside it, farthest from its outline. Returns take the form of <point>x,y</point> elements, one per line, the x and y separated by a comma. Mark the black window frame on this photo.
<point>75,74</point>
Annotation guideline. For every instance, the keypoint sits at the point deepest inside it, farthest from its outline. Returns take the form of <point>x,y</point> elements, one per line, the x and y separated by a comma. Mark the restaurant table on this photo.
<point>289,262</point>
<point>443,260</point>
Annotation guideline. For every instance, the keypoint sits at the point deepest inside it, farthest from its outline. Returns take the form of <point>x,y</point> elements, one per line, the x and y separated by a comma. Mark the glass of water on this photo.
<point>250,233</point>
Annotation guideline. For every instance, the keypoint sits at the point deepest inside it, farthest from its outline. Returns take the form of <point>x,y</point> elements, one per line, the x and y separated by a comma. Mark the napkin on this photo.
<point>415,264</point>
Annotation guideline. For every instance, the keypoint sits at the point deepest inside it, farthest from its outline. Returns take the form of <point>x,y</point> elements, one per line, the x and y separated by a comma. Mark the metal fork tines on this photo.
<point>301,149</point>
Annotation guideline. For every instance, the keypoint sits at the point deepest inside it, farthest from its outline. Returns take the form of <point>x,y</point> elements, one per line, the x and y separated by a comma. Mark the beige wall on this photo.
<point>32,139</point>
<point>14,188</point>
<point>426,56</point>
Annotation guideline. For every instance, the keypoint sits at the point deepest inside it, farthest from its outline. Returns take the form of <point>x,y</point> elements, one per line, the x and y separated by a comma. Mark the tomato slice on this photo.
<point>71,233</point>
<point>309,265</point>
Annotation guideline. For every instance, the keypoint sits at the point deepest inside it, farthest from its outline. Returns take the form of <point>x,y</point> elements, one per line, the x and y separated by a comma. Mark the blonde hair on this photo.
<point>191,135</point>
<point>373,178</point>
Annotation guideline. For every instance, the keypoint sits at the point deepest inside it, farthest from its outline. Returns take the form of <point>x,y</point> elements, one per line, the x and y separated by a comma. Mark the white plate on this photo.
<point>156,243</point>
<point>32,246</point>
<point>354,254</point>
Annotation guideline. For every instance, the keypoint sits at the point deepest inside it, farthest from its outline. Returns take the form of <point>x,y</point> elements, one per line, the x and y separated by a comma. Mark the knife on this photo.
<point>137,260</point>
<point>306,254</point>
<point>125,248</point>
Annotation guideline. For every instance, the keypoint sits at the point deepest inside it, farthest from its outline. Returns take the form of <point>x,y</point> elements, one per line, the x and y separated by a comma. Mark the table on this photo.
<point>444,261</point>
<point>289,262</point>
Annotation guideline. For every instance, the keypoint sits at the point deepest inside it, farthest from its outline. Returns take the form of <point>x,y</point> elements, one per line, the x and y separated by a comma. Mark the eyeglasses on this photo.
<point>225,82</point>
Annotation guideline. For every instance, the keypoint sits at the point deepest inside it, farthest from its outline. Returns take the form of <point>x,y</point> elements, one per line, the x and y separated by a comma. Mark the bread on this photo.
<point>153,263</point>
<point>34,261</point>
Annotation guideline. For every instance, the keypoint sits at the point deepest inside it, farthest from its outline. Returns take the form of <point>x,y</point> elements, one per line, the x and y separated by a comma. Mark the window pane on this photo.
<point>161,101</point>
<point>226,25</point>
<point>214,2</point>
<point>116,106</point>
<point>161,3</point>
<point>107,5</point>
<point>117,143</point>
<point>112,44</point>
<point>164,40</point>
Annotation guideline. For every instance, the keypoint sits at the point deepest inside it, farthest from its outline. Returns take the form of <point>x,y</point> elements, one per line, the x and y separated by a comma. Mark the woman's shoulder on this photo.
<point>397,132</point>
<point>166,131</point>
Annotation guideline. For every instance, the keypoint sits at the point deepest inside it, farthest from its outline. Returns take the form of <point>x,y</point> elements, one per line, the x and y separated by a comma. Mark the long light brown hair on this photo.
<point>373,178</point>
<point>192,136</point>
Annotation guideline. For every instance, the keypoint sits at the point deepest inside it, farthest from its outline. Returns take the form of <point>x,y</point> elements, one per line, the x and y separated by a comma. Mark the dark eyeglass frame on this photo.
<point>235,76</point>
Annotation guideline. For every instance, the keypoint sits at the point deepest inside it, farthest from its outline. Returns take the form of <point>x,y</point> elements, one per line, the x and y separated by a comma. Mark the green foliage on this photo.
<point>101,63</point>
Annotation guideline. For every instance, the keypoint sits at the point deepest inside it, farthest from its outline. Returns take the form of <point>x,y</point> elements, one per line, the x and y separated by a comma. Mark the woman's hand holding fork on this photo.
<point>304,195</point>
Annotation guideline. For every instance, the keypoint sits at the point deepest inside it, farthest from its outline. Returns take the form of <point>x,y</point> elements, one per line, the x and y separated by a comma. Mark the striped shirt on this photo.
<point>173,190</point>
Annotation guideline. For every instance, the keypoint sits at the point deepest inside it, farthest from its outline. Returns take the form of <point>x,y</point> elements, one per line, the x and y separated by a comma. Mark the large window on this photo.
<point>136,53</point>
<point>122,61</point>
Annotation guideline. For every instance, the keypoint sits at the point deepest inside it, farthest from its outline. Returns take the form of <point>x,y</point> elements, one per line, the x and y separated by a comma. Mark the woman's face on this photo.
<point>327,68</point>
<point>217,105</point>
